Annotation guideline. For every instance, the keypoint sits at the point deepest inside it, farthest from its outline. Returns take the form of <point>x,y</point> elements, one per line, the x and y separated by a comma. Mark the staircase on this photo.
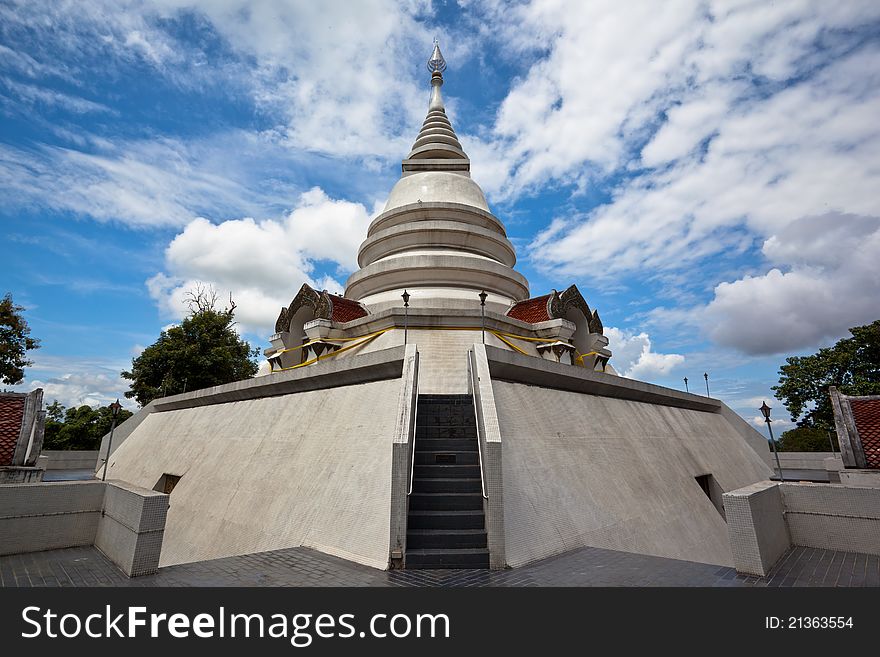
<point>446,525</point>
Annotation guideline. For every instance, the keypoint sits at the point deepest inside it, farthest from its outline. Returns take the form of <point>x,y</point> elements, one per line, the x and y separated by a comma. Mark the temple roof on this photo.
<point>555,306</point>
<point>866,413</point>
<point>531,310</point>
<point>11,416</point>
<point>345,310</point>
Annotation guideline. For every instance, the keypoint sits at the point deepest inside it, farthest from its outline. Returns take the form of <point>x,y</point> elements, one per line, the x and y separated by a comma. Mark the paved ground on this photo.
<point>305,567</point>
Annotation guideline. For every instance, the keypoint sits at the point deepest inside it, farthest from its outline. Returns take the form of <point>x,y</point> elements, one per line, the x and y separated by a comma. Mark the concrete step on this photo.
<point>446,519</point>
<point>437,558</point>
<point>445,399</point>
<point>450,431</point>
<point>445,501</point>
<point>444,421</point>
<point>445,539</point>
<point>446,457</point>
<point>448,485</point>
<point>446,444</point>
<point>447,471</point>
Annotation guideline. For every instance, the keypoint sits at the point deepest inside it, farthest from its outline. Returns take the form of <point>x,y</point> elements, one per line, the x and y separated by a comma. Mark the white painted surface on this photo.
<point>311,469</point>
<point>582,470</point>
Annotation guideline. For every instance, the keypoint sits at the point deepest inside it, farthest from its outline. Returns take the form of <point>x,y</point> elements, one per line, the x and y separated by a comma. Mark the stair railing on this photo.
<point>478,421</point>
<point>412,442</point>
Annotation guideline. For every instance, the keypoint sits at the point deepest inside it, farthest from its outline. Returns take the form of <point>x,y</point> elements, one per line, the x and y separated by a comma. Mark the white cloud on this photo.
<point>262,263</point>
<point>337,76</point>
<point>632,355</point>
<point>832,283</point>
<point>714,127</point>
<point>75,381</point>
<point>161,182</point>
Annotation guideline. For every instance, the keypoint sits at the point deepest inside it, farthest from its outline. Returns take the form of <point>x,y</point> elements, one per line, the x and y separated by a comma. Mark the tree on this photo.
<point>80,427</point>
<point>807,439</point>
<point>853,365</point>
<point>15,342</point>
<point>202,351</point>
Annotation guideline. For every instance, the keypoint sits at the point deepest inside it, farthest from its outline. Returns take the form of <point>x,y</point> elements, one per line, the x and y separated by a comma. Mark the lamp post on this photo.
<point>405,296</point>
<point>114,411</point>
<point>765,411</point>
<point>483,296</point>
<point>706,376</point>
<point>686,384</point>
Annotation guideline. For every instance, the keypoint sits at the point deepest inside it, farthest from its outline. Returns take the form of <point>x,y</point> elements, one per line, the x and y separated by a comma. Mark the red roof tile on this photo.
<point>345,310</point>
<point>866,413</point>
<point>531,310</point>
<point>11,416</point>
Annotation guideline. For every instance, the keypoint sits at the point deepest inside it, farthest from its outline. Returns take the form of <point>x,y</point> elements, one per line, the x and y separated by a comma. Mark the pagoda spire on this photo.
<point>436,147</point>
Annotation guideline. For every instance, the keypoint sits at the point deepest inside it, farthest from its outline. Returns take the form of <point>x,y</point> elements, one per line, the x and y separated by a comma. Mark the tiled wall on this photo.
<point>70,459</point>
<point>825,516</point>
<point>833,517</point>
<point>756,527</point>
<point>125,522</point>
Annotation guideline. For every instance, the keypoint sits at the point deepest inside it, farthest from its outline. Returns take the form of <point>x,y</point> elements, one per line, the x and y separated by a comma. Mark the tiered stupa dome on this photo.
<point>436,236</point>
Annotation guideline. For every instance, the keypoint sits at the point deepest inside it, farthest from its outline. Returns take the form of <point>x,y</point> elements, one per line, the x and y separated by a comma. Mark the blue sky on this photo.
<point>706,172</point>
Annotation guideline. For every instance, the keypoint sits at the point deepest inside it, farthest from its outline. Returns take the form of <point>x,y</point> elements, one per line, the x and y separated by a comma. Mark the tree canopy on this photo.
<point>807,439</point>
<point>202,351</point>
<point>852,364</point>
<point>15,342</point>
<point>79,427</point>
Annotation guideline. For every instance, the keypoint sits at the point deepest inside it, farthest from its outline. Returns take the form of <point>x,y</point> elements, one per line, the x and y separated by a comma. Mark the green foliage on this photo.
<point>853,365</point>
<point>203,351</point>
<point>79,428</point>
<point>15,342</point>
<point>807,439</point>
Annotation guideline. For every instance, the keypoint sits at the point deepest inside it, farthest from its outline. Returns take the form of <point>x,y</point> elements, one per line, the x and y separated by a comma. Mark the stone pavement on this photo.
<point>86,566</point>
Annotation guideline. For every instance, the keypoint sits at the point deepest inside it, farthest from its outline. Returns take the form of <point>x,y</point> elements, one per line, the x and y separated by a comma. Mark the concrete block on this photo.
<point>758,533</point>
<point>48,516</point>
<point>860,478</point>
<point>131,527</point>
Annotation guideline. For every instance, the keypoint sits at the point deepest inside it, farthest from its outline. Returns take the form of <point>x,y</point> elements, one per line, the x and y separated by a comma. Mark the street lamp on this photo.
<point>405,296</point>
<point>706,376</point>
<point>483,296</point>
<point>686,384</point>
<point>765,411</point>
<point>114,411</point>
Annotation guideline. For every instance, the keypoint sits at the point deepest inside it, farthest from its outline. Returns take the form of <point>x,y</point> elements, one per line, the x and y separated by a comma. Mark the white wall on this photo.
<point>311,468</point>
<point>584,470</point>
<point>58,459</point>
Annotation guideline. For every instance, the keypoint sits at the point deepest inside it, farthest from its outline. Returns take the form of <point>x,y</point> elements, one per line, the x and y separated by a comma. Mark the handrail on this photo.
<point>415,419</point>
<point>473,381</point>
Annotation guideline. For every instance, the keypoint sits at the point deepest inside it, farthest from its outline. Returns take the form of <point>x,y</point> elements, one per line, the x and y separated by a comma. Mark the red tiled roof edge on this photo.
<point>531,310</point>
<point>11,417</point>
<point>866,413</point>
<point>345,310</point>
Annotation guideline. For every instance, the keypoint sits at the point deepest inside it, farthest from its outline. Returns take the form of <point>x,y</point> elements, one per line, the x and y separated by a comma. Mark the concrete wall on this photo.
<point>768,518</point>
<point>756,526</point>
<point>806,460</point>
<point>70,459</point>
<point>131,527</point>
<point>36,517</point>
<point>312,468</point>
<point>124,522</point>
<point>833,517</point>
<point>586,470</point>
<point>442,356</point>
